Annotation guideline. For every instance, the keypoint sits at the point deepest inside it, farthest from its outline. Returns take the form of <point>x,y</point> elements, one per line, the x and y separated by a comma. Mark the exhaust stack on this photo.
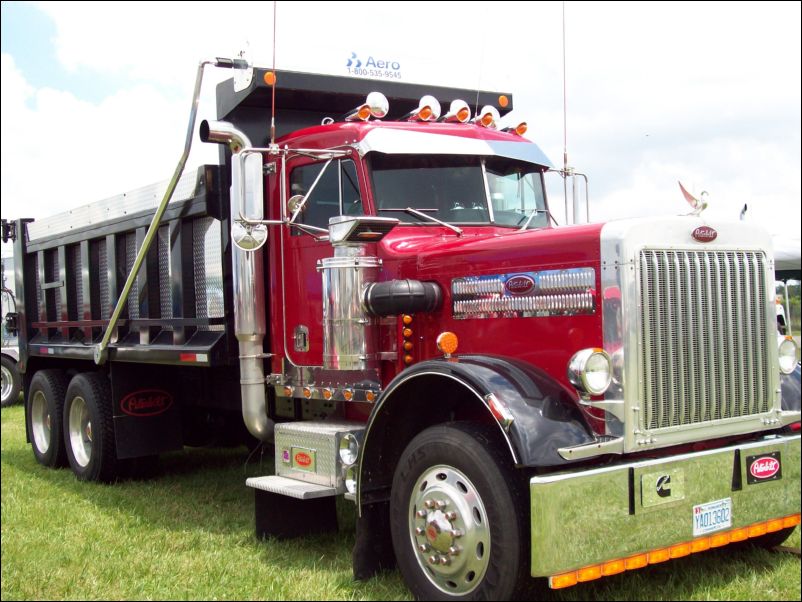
<point>249,293</point>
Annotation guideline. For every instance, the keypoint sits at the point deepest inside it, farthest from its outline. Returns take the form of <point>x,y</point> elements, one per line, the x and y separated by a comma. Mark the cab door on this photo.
<point>337,192</point>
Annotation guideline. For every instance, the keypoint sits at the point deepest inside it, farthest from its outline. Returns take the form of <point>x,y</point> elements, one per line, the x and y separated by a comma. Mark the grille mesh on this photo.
<point>704,337</point>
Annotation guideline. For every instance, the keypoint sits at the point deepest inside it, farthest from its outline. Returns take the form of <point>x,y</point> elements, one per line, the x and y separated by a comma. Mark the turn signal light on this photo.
<point>447,343</point>
<point>638,561</point>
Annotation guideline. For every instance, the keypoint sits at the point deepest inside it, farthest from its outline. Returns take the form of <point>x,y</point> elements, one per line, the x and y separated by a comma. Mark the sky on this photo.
<point>96,96</point>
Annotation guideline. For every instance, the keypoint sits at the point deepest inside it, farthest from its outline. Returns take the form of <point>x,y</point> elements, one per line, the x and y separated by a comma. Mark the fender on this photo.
<point>544,415</point>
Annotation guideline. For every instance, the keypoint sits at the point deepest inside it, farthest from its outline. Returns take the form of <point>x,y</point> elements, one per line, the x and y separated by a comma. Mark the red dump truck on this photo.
<point>375,286</point>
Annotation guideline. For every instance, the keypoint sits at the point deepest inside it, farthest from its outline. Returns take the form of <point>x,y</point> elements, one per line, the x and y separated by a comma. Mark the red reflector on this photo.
<point>188,357</point>
<point>795,426</point>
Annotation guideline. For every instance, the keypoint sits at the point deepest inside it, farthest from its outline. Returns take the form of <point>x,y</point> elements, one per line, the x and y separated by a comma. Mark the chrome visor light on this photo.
<point>458,111</point>
<point>375,105</point>
<point>488,117</point>
<point>428,110</point>
<point>590,371</point>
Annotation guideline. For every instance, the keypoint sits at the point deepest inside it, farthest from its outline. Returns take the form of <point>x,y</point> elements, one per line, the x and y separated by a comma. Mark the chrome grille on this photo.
<point>704,336</point>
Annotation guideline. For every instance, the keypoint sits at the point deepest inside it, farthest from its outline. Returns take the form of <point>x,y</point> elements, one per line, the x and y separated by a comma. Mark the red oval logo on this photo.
<point>303,459</point>
<point>764,468</point>
<point>704,234</point>
<point>520,285</point>
<point>147,402</point>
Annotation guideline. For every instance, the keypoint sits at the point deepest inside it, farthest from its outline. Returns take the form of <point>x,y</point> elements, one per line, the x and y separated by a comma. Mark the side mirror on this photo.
<point>247,194</point>
<point>295,203</point>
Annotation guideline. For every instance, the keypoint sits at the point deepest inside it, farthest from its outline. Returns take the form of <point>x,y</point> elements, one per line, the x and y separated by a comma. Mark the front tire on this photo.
<point>458,516</point>
<point>44,407</point>
<point>89,428</point>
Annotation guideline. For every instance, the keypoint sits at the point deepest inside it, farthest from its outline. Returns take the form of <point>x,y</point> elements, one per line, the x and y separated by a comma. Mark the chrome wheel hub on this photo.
<point>449,530</point>
<point>40,422</point>
<point>80,429</point>
<point>8,381</point>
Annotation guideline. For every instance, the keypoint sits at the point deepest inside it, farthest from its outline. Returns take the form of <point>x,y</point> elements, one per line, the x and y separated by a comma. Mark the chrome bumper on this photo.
<point>588,517</point>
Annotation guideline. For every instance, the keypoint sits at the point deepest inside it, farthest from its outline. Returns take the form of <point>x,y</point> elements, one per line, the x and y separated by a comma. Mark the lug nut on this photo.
<point>429,503</point>
<point>440,504</point>
<point>432,559</point>
<point>456,533</point>
<point>421,514</point>
<point>451,515</point>
<point>445,560</point>
<point>422,548</point>
<point>419,531</point>
<point>454,551</point>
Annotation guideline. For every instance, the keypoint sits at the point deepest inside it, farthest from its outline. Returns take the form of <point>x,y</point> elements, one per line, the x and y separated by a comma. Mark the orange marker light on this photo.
<point>589,573</point>
<point>700,545</point>
<point>270,78</point>
<point>327,393</point>
<point>487,120</point>
<point>407,333</point>
<point>348,394</point>
<point>638,561</point>
<point>660,555</point>
<point>561,581</point>
<point>408,346</point>
<point>503,101</point>
<point>425,113</point>
<point>447,342</point>
<point>407,319</point>
<point>774,525</point>
<point>370,396</point>
<point>613,567</point>
<point>287,391</point>
<point>408,359</point>
<point>680,550</point>
<point>363,113</point>
<point>463,115</point>
<point>521,128</point>
<point>719,539</point>
<point>307,392</point>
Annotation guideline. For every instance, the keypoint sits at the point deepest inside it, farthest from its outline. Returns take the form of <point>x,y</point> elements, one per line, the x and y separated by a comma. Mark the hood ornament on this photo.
<point>699,204</point>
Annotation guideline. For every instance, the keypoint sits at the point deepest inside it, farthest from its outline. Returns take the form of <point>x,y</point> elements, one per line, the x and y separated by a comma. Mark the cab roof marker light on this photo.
<point>428,110</point>
<point>375,105</point>
<point>458,112</point>
<point>519,129</point>
<point>488,117</point>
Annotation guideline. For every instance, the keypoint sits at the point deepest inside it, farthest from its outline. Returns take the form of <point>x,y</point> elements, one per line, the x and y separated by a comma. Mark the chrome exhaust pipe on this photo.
<point>249,290</point>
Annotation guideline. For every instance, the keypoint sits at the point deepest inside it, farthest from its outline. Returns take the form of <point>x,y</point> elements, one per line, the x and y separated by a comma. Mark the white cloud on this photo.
<point>657,92</point>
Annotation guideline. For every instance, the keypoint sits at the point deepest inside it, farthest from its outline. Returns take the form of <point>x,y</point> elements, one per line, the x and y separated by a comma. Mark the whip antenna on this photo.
<point>273,109</point>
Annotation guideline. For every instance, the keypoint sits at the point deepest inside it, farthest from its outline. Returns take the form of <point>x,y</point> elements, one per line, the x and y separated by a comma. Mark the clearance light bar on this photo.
<point>638,561</point>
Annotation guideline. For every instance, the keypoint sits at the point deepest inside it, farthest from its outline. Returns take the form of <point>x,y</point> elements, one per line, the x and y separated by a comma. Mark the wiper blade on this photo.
<point>433,219</point>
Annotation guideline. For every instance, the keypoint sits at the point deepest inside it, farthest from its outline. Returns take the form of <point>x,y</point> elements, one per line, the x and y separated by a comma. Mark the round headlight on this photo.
<point>787,355</point>
<point>350,479</point>
<point>349,449</point>
<point>590,371</point>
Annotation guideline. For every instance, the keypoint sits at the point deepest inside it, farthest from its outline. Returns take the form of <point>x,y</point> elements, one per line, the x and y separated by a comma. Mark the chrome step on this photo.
<point>302,490</point>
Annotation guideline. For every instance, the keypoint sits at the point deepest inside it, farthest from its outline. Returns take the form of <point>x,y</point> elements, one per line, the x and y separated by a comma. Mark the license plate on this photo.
<point>712,516</point>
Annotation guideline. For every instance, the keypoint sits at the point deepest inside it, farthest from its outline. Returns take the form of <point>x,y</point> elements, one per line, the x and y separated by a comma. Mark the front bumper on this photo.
<point>586,517</point>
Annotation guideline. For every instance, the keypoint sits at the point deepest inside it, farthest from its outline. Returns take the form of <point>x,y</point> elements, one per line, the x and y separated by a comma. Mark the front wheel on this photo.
<point>458,516</point>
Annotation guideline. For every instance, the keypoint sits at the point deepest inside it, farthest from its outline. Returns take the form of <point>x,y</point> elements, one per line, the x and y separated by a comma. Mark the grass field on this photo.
<point>188,534</point>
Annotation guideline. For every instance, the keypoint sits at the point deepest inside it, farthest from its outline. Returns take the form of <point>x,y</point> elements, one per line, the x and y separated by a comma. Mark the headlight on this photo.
<point>349,449</point>
<point>350,479</point>
<point>590,371</point>
<point>787,355</point>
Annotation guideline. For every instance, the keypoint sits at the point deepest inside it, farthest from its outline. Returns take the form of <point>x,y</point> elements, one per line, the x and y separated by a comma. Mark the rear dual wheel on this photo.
<point>45,406</point>
<point>89,428</point>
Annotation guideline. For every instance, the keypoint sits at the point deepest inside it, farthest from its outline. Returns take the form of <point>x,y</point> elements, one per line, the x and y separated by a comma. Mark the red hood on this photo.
<point>419,253</point>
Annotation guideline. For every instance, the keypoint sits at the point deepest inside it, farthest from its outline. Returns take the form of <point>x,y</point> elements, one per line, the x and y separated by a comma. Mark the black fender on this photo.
<point>545,415</point>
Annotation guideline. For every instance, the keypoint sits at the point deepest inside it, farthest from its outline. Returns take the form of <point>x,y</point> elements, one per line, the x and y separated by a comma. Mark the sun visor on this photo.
<point>393,141</point>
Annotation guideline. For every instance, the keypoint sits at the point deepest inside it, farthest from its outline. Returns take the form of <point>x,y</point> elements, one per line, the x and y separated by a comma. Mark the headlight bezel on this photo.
<point>583,371</point>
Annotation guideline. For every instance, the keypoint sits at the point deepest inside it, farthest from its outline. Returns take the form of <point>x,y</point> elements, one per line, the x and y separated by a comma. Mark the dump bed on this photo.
<point>71,268</point>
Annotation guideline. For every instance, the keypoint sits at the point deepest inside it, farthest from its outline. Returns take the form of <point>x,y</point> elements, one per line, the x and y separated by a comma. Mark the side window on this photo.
<point>336,193</point>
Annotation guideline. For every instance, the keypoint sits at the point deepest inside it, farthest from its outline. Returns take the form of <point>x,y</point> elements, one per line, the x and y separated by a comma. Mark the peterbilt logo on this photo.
<point>147,402</point>
<point>520,285</point>
<point>303,459</point>
<point>764,468</point>
<point>705,234</point>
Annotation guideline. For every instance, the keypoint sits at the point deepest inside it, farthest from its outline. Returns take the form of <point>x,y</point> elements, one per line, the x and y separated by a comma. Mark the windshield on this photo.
<point>456,189</point>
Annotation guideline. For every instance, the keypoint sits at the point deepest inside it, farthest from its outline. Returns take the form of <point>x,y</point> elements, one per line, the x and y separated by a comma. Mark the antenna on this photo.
<point>273,109</point>
<point>565,128</point>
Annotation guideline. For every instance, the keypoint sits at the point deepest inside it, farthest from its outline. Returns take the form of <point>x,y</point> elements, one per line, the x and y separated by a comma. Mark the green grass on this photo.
<point>188,534</point>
